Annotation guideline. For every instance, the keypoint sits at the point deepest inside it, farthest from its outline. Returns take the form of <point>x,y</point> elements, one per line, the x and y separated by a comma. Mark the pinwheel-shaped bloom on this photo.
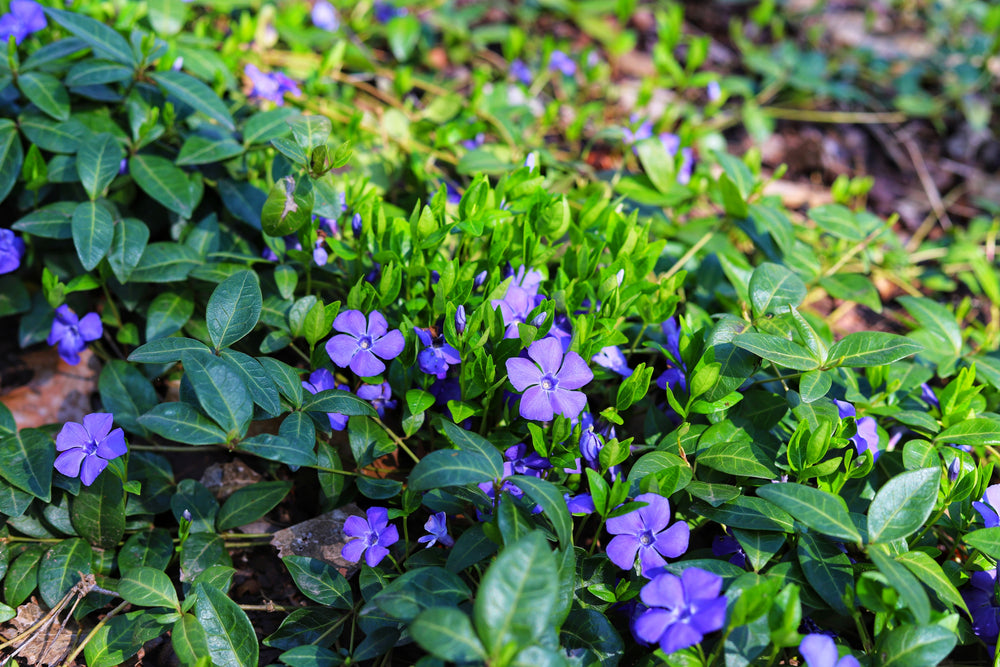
<point>560,62</point>
<point>526,461</point>
<point>682,610</point>
<point>270,86</point>
<point>611,357</point>
<point>988,505</point>
<point>362,344</point>
<point>320,380</point>
<point>72,333</point>
<point>24,18</point>
<point>11,251</point>
<point>379,395</point>
<point>372,536</point>
<point>644,532</point>
<point>325,16</point>
<point>86,448</point>
<point>580,504</point>
<point>820,651</point>
<point>437,531</point>
<point>548,381</point>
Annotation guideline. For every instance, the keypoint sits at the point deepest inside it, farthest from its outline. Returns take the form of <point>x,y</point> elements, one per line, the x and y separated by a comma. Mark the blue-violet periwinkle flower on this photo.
<point>549,381</point>
<point>682,610</point>
<point>321,380</point>
<point>379,395</point>
<point>560,62</point>
<point>644,532</point>
<point>980,598</point>
<point>437,356</point>
<point>437,531</point>
<point>372,536</point>
<point>820,651</point>
<point>866,438</point>
<point>988,505</point>
<point>325,16</point>
<point>87,448</point>
<point>24,18</point>
<point>611,357</point>
<point>270,86</point>
<point>363,345</point>
<point>72,334</point>
<point>11,251</point>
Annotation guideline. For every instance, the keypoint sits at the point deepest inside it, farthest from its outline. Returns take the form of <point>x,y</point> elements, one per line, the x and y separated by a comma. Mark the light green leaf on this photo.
<point>250,503</point>
<point>979,431</point>
<point>819,510</point>
<point>930,573</point>
<point>909,589</point>
<point>231,639</point>
<point>903,504</point>
<point>189,640</point>
<point>917,646</point>
<point>196,95</point>
<point>148,587</point>
<point>777,349</point>
<point>774,288</point>
<point>870,348</point>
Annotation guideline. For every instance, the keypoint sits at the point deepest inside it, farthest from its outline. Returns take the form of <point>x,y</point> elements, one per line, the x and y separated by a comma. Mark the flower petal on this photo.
<point>366,365</point>
<point>673,542</point>
<point>355,526</point>
<point>574,372</point>
<point>388,536</point>
<point>700,584</point>
<point>90,327</point>
<point>113,445</point>
<point>656,514</point>
<point>710,616</point>
<point>378,517</point>
<point>377,326</point>
<point>818,650</point>
<point>375,554</point>
<point>98,424</point>
<point>91,468</point>
<point>567,403</point>
<point>650,560</point>
<point>341,349</point>
<point>71,436</point>
<point>547,352</point>
<point>353,550</point>
<point>536,405</point>
<point>351,322</point>
<point>390,345</point>
<point>665,590</point>
<point>652,624</point>
<point>622,549</point>
<point>522,373</point>
<point>992,496</point>
<point>626,524</point>
<point>68,463</point>
<point>678,636</point>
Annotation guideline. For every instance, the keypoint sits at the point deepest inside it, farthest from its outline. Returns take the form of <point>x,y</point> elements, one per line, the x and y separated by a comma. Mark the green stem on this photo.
<point>396,439</point>
<point>111,614</point>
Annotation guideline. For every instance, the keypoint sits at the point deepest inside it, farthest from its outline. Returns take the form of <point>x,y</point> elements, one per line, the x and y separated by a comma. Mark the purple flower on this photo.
<point>291,242</point>
<point>325,16</point>
<point>363,345</point>
<point>373,536</point>
<point>320,255</point>
<point>526,462</point>
<point>514,307</point>
<point>475,142</point>
<point>560,62</point>
<point>954,468</point>
<point>327,225</point>
<point>437,531</point>
<point>356,224</point>
<point>714,91</point>
<point>548,381</point>
<point>531,162</point>
<point>980,599</point>
<point>580,504</point>
<point>612,358</point>
<point>460,319</point>
<point>726,544</point>
<point>480,279</point>
<point>988,505</point>
<point>437,355</point>
<point>643,131</point>
<point>24,18</point>
<point>820,651</point>
<point>866,437</point>
<point>686,167</point>
<point>676,375</point>
<point>521,72</point>
<point>928,395</point>
<point>379,395</point>
<point>682,610</point>
<point>642,532</point>
<point>87,448</point>
<point>272,86</point>
<point>320,380</point>
<point>385,12</point>
<point>123,166</point>
<point>72,333</point>
<point>11,251</point>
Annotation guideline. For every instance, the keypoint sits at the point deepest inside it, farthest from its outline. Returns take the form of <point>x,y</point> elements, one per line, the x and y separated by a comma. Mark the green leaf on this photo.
<point>853,287</point>
<point>337,400</point>
<point>26,460</point>
<point>821,511</point>
<point>202,150</point>
<point>192,92</point>
<point>517,594</point>
<point>166,350</point>
<point>266,125</point>
<point>288,207</point>
<point>814,385</point>
<point>930,573</point>
<point>403,33</point>
<point>198,501</point>
<point>737,458</point>
<point>903,504</point>
<point>126,393</point>
<point>167,18</point>
<point>93,229</point>
<point>474,443</point>
<point>189,640</point>
<point>591,630</point>
<point>827,570</point>
<point>262,388</point>
<point>46,92</point>
<point>470,548</point>
<point>550,498</point>
<point>909,589</point>
<point>917,646</point>
<point>447,633</point>
<point>167,184</point>
<point>96,72</point>
<point>231,639</point>
<point>657,164</point>
<point>416,590</point>
<point>986,540</point>
<point>51,135</point>
<point>153,548</point>
<point>276,448</point>
<point>22,575</point>
<point>449,467</point>
<point>220,392</point>
<point>127,247</point>
<point>11,158</point>
<point>234,308</point>
<point>148,587</point>
<point>777,349</point>
<point>167,313</point>
<point>98,511</point>
<point>774,288</point>
<point>61,568</point>
<point>732,200</point>
<point>97,161</point>
<point>319,581</point>
<point>121,638</point>
<point>870,348</point>
<point>311,625</point>
<point>935,318</point>
<point>310,131</point>
<point>180,422</point>
<point>165,262</point>
<point>102,39</point>
<point>979,431</point>
<point>250,503</point>
<point>203,551</point>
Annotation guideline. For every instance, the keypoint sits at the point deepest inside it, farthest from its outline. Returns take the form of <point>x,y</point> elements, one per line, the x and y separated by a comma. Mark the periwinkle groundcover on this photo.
<point>472,381</point>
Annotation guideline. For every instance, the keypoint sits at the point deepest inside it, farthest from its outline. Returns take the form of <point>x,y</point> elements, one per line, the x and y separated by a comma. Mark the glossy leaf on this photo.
<point>449,467</point>
<point>276,448</point>
<point>98,511</point>
<point>104,40</point>
<point>164,182</point>
<point>220,392</point>
<point>548,496</point>
<point>148,587</point>
<point>126,393</point>
<point>777,349</point>
<point>26,460</point>
<point>11,157</point>
<point>167,313</point>
<point>416,590</point>
<point>22,575</point>
<point>166,350</point>
<point>821,511</point>
<point>121,638</point>
<point>911,592</point>
<point>870,348</point>
<point>180,422</point>
<point>46,92</point>
<point>336,400</point>
<point>447,633</point>
<point>231,639</point>
<point>128,245</point>
<point>917,646</point>
<point>165,262</point>
<point>61,567</point>
<point>774,288</point>
<point>188,639</point>
<point>195,94</point>
<point>97,161</point>
<point>93,228</point>
<point>827,570</point>
<point>978,431</point>
<point>471,442</point>
<point>903,504</point>
<point>319,581</point>
<point>234,308</point>
<point>250,503</point>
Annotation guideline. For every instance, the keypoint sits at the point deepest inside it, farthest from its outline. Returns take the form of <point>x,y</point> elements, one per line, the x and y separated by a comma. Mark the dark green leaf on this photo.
<point>153,548</point>
<point>276,448</point>
<point>220,392</point>
<point>917,646</point>
<point>821,511</point>
<point>336,400</point>
<point>46,92</point>
<point>827,570</point>
<point>127,248</point>
<point>250,503</point>
<point>203,551</point>
<point>26,460</point>
<point>550,498</point>
<point>166,350</point>
<point>261,386</point>
<point>447,633</point>
<point>97,161</point>
<point>167,184</point>
<point>319,581</point>
<point>909,589</point>
<point>870,348</point>
<point>903,504</point>
<point>470,548</point>
<point>416,590</point>
<point>471,442</point>
<point>11,158</point>
<point>311,625</point>
<point>202,150</point>
<point>198,501</point>
<point>61,569</point>
<point>167,313</point>
<point>98,511</point>
<point>126,393</point>
<point>96,72</point>
<point>195,94</point>
<point>590,629</point>
<point>450,467</point>
<point>50,222</point>
<point>93,229</point>
<point>121,638</point>
<point>180,422</point>
<point>234,308</point>
<point>22,575</point>
<point>930,573</point>
<point>231,639</point>
<point>165,262</point>
<point>102,39</point>
<point>978,431</point>
<point>738,458</point>
<point>188,639</point>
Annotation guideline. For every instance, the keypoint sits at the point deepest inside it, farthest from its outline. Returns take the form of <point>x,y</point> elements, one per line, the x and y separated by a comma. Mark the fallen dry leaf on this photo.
<point>321,538</point>
<point>57,392</point>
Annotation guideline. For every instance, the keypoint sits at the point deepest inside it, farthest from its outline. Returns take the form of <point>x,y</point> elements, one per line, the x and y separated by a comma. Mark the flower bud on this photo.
<point>460,319</point>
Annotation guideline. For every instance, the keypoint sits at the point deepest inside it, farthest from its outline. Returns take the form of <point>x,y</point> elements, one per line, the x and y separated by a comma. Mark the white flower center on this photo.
<point>365,342</point>
<point>549,383</point>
